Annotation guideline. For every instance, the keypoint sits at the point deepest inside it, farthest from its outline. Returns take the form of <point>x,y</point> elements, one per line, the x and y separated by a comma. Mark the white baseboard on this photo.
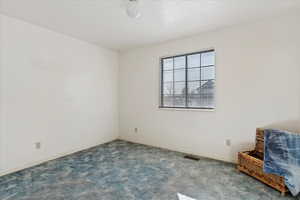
<point>32,164</point>
<point>176,150</point>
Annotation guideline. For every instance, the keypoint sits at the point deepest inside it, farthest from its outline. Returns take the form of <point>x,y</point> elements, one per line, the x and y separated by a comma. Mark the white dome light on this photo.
<point>132,9</point>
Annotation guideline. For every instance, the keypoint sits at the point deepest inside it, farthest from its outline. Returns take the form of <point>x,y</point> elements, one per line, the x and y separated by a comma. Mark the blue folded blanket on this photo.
<point>282,157</point>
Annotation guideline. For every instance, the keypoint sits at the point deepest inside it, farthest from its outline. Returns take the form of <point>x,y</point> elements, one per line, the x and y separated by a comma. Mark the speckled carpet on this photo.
<point>125,171</point>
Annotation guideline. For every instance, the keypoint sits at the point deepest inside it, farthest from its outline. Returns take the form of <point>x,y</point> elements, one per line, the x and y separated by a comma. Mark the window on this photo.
<point>188,81</point>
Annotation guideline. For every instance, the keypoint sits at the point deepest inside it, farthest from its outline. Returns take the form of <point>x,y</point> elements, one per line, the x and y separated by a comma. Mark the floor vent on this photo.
<point>192,157</point>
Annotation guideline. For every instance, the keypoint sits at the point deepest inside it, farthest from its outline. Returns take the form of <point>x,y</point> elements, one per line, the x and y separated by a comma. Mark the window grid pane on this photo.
<point>168,64</point>
<point>179,62</point>
<point>189,82</point>
<point>179,75</point>
<point>194,74</point>
<point>208,58</point>
<point>207,73</point>
<point>194,60</point>
<point>168,76</point>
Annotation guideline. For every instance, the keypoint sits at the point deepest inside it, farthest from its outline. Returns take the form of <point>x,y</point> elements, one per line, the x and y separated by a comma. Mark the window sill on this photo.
<point>188,109</point>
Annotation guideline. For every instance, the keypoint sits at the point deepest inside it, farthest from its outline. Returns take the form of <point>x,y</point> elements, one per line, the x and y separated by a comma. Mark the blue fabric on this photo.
<point>282,157</point>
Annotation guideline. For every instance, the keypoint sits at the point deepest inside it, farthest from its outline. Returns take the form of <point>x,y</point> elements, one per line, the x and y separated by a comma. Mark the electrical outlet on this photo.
<point>136,130</point>
<point>228,142</point>
<point>37,145</point>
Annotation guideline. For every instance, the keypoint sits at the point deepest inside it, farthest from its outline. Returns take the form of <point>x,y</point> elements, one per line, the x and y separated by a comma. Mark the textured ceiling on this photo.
<point>105,22</point>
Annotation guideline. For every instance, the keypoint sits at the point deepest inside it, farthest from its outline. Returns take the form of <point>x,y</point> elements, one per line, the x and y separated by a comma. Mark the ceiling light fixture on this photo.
<point>132,9</point>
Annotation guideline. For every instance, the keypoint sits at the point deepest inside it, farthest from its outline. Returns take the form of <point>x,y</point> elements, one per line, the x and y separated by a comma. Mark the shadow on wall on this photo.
<point>289,125</point>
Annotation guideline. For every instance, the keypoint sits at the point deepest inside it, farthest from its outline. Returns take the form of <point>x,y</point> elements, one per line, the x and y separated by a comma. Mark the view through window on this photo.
<point>188,81</point>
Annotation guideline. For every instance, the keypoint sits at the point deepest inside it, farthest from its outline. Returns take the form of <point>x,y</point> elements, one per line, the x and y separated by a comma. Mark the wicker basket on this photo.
<point>252,164</point>
<point>259,144</point>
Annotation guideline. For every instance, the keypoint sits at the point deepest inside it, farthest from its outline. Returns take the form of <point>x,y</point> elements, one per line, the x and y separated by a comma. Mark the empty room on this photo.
<point>149,100</point>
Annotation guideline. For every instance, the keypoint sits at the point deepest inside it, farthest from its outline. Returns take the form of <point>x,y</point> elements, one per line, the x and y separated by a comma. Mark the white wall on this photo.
<point>56,90</point>
<point>258,83</point>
